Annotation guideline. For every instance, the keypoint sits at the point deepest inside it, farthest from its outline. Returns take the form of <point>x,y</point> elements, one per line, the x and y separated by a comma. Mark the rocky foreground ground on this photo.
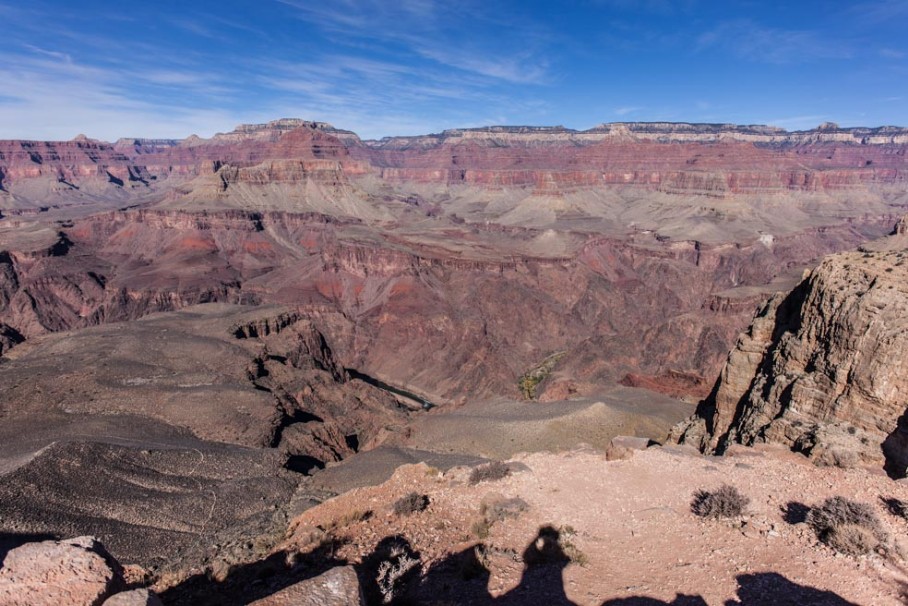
<point>568,528</point>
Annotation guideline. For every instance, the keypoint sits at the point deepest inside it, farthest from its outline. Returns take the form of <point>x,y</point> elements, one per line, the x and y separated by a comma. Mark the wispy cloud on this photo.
<point>624,111</point>
<point>663,8</point>
<point>439,32</point>
<point>877,11</point>
<point>47,94</point>
<point>753,42</point>
<point>387,69</point>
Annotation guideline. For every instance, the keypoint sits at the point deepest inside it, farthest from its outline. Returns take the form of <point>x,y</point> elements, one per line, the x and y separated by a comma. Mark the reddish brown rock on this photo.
<point>76,571</point>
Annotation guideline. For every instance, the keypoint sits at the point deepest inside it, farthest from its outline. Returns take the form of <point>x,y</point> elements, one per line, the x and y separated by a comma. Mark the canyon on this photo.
<point>222,334</point>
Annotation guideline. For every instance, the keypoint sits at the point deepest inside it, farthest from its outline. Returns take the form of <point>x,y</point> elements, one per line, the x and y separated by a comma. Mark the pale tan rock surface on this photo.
<point>136,597</point>
<point>822,369</point>
<point>625,528</point>
<point>73,572</point>
<point>337,587</point>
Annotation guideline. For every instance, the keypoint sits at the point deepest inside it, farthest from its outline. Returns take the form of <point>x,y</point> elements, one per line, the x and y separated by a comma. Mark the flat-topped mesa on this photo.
<point>274,130</point>
<point>139,146</point>
<point>659,132</point>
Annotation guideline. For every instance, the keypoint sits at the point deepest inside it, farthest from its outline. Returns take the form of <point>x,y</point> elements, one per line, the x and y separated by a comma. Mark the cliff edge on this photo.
<point>822,369</point>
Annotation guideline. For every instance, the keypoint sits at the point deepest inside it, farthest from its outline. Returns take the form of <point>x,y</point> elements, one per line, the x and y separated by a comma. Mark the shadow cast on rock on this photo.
<point>11,540</point>
<point>680,600</point>
<point>753,590</point>
<point>246,583</point>
<point>896,507</point>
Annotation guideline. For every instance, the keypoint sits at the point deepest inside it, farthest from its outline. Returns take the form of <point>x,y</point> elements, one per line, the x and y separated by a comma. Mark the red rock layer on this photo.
<point>616,306</point>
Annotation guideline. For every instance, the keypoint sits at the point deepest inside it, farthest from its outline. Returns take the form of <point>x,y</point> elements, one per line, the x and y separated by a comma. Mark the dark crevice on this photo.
<point>303,464</point>
<point>288,419</point>
<point>352,441</point>
<point>895,449</point>
<point>417,399</point>
<point>62,245</point>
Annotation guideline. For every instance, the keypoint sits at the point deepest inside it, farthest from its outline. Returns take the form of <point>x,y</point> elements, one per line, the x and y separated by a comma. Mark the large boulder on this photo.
<point>136,597</point>
<point>337,587</point>
<point>76,572</point>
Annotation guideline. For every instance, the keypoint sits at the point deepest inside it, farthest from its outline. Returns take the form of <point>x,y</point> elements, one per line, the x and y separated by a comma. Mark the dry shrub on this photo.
<point>496,508</point>
<point>572,552</point>
<point>496,470</point>
<point>351,517</point>
<point>411,503</point>
<point>482,528</point>
<point>393,573</point>
<point>847,526</point>
<point>834,457</point>
<point>724,502</point>
<point>852,540</point>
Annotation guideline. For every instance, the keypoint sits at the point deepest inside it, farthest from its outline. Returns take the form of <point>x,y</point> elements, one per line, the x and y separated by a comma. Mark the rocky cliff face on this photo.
<point>615,305</point>
<point>613,245</point>
<point>661,132</point>
<point>695,159</point>
<point>823,368</point>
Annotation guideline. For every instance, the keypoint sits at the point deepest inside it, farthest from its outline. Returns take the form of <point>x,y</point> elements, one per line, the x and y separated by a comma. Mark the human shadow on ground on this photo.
<point>463,578</point>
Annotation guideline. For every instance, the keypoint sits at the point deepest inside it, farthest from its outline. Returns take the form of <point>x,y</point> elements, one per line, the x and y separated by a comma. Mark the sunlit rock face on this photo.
<point>822,368</point>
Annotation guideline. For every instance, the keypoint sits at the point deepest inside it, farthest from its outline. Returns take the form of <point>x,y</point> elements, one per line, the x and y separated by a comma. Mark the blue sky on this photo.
<point>380,67</point>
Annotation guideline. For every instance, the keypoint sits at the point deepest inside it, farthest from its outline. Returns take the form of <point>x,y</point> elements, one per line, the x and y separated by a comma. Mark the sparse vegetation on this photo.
<point>724,502</point>
<point>496,510</point>
<point>411,503</point>
<point>573,553</point>
<point>835,457</point>
<point>351,517</point>
<point>531,379</point>
<point>482,528</point>
<point>849,527</point>
<point>496,470</point>
<point>392,572</point>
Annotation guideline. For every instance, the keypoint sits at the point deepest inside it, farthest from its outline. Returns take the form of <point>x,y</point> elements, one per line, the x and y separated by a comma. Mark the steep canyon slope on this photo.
<point>822,368</point>
<point>638,250</point>
<point>206,320</point>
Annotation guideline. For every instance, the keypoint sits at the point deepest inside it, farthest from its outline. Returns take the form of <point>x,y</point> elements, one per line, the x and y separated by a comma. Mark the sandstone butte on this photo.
<point>216,352</point>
